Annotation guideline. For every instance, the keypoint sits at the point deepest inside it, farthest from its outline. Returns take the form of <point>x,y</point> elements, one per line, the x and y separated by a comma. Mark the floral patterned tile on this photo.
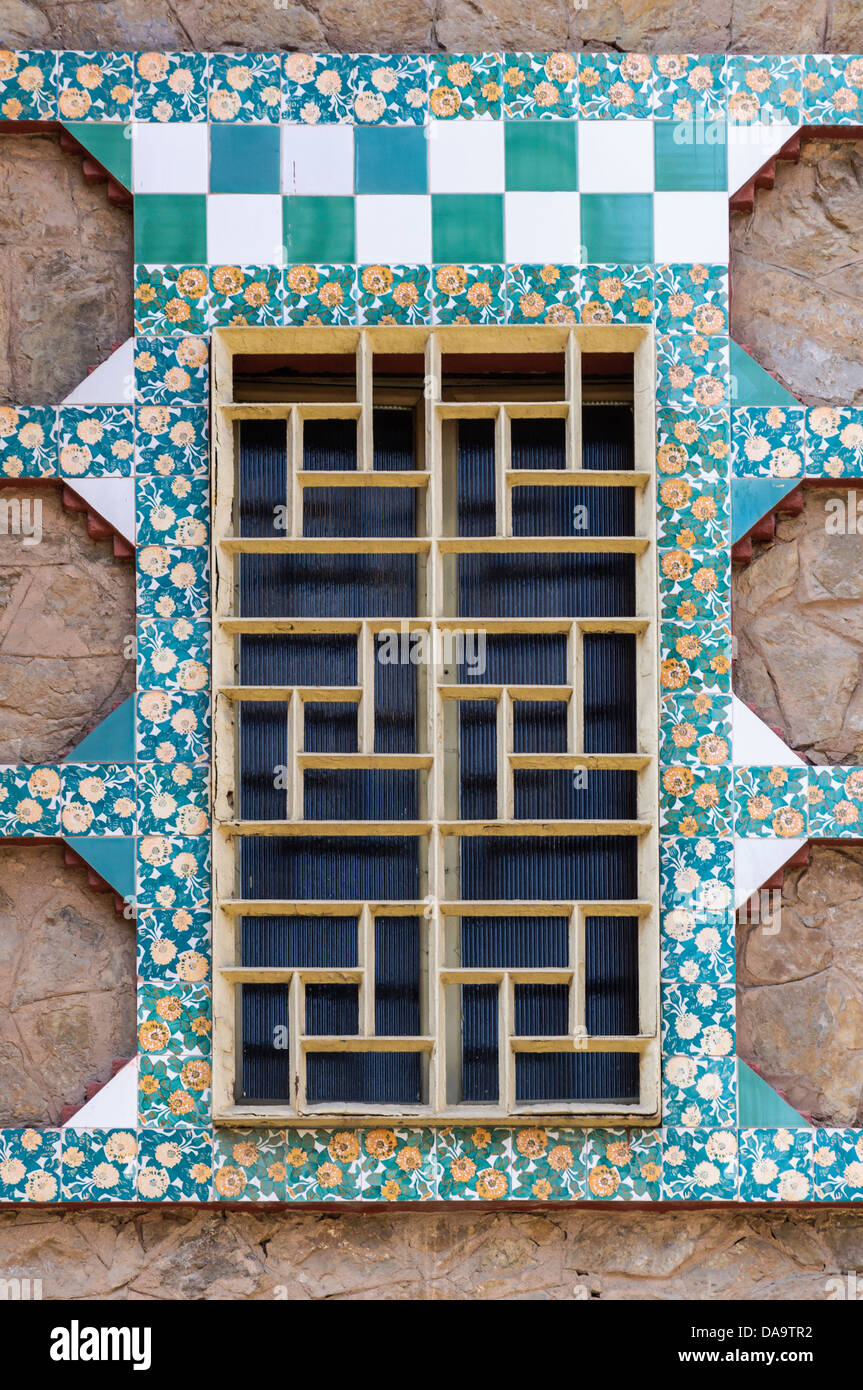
<point>171,297</point>
<point>315,88</point>
<point>835,798</point>
<point>699,1165</point>
<point>696,801</point>
<point>465,85</point>
<point>615,84</point>
<point>692,370</point>
<point>696,875</point>
<point>320,294</point>
<point>28,85</point>
<point>623,1164</point>
<point>540,85</point>
<point>173,511</point>
<point>693,659</point>
<point>698,1019</point>
<point>474,1164</point>
<point>245,87</point>
<point>763,88</point>
<point>29,801</point>
<point>28,441</point>
<point>770,801</point>
<point>768,441</point>
<point>388,88</point>
<point>832,88</point>
<point>323,1165</point>
<point>29,1165</point>
<point>693,513</point>
<point>468,294</point>
<point>543,293</point>
<point>695,728</point>
<point>173,800</point>
<point>174,1089</point>
<point>548,1164</point>
<point>172,370</point>
<point>171,86</point>
<point>692,299</point>
<point>249,1165</point>
<point>98,800</point>
<point>99,1165</point>
<point>174,1019</point>
<point>698,944</point>
<point>175,1165</point>
<point>398,1165</point>
<point>695,443</point>
<point>96,441</point>
<point>393,293</point>
<point>173,727</point>
<point>173,655</point>
<point>776,1165</point>
<point>616,294</point>
<point>246,294</point>
<point>834,440</point>
<point>173,873</point>
<point>94,86</point>
<point>699,1092</point>
<point>173,946</point>
<point>695,586</point>
<point>837,1165</point>
<point>172,581</point>
<point>172,439</point>
<point>689,86</point>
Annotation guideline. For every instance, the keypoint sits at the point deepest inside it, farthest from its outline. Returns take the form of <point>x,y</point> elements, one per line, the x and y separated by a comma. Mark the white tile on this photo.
<point>750,146</point>
<point>112,383</point>
<point>393,228</point>
<point>690,227</point>
<point>615,156</point>
<point>317,159</point>
<point>244,229</point>
<point>754,743</point>
<point>543,227</point>
<point>170,158</point>
<point>112,498</point>
<point>466,156</point>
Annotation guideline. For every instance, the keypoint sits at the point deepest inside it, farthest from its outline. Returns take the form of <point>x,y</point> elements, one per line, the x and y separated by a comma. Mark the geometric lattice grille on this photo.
<point>435,664</point>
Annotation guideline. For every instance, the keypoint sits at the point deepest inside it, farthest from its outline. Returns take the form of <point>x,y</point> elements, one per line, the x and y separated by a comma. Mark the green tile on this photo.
<point>690,156</point>
<point>617,228</point>
<point>390,159</point>
<point>244,159</point>
<point>109,143</point>
<point>467,227</point>
<point>540,156</point>
<point>170,228</point>
<point>319,229</point>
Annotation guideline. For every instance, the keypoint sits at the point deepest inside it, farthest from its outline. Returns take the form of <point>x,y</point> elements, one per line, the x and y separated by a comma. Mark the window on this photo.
<point>435,648</point>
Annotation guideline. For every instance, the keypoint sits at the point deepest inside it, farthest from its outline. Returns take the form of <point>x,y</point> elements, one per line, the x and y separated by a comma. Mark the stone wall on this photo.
<point>797,295</point>
<point>435,1254</point>
<point>67,985</point>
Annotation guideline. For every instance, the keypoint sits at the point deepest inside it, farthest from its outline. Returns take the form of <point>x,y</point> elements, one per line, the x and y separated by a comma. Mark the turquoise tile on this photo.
<point>617,227</point>
<point>540,155</point>
<point>467,227</point>
<point>689,155</point>
<point>244,159</point>
<point>390,159</point>
<point>319,229</point>
<point>170,228</point>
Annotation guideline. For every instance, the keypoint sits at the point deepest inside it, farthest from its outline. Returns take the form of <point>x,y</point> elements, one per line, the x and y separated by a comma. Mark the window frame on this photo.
<point>439,836</point>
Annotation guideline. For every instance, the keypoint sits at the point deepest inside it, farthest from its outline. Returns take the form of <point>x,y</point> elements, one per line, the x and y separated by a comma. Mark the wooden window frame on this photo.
<point>438,835</point>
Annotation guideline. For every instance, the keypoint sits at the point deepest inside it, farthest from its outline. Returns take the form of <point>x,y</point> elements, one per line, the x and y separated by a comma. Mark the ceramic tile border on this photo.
<point>155,439</point>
